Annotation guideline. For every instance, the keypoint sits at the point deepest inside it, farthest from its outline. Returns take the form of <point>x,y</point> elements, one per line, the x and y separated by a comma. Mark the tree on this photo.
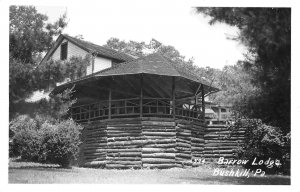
<point>267,34</point>
<point>141,49</point>
<point>29,34</point>
<point>30,37</point>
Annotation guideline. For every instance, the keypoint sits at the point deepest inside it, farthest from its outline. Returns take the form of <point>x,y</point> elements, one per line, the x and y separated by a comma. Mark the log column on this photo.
<point>173,97</point>
<point>109,104</point>
<point>141,95</point>
<point>203,102</point>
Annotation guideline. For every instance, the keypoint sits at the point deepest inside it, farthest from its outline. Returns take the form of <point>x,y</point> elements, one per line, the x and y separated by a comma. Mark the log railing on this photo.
<point>151,107</point>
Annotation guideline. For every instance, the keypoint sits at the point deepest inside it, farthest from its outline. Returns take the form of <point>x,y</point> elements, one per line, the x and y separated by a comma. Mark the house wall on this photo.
<point>99,64</point>
<point>73,50</point>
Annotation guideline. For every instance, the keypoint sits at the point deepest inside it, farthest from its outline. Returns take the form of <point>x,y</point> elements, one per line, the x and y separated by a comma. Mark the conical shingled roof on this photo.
<point>151,64</point>
<point>154,64</point>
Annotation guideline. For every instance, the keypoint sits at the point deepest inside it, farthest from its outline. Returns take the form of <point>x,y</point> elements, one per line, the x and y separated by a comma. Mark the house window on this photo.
<point>223,110</point>
<point>64,51</point>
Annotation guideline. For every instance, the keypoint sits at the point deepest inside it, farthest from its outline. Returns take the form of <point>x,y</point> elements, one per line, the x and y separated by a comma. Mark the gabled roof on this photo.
<point>90,47</point>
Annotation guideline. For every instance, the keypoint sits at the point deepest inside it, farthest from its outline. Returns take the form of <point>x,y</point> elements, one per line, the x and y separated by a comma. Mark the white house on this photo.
<point>66,47</point>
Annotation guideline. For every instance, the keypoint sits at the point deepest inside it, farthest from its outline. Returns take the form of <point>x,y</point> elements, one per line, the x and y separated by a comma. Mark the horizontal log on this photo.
<point>200,140</point>
<point>182,155</point>
<point>183,148</point>
<point>157,160</point>
<point>123,134</point>
<point>159,134</point>
<point>109,132</point>
<point>160,123</point>
<point>124,143</point>
<point>124,162</point>
<point>157,150</point>
<point>159,166</point>
<point>117,158</point>
<point>180,144</point>
<point>233,145</point>
<point>126,138</point>
<point>159,140</point>
<point>158,155</point>
<point>159,130</point>
<point>118,166</point>
<point>159,137</point>
<point>184,134</point>
<point>115,125</point>
<point>187,141</point>
<point>197,148</point>
<point>123,149</point>
<point>161,145</point>
<point>223,141</point>
<point>149,127</point>
<point>124,154</point>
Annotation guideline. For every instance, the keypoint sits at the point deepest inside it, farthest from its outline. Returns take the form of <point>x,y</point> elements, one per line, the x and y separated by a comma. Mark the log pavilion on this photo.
<point>148,112</point>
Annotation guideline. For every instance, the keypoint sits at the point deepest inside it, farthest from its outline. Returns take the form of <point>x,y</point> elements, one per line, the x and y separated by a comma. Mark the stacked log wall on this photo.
<point>221,142</point>
<point>159,149</point>
<point>154,143</point>
<point>198,130</point>
<point>94,144</point>
<point>183,143</point>
<point>124,144</point>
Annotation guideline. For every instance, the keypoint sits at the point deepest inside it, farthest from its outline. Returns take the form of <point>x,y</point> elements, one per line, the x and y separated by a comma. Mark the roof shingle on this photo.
<point>103,51</point>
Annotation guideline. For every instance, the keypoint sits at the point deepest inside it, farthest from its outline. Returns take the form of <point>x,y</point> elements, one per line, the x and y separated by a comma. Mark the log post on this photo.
<point>109,104</point>
<point>196,102</point>
<point>203,102</point>
<point>173,97</point>
<point>141,95</point>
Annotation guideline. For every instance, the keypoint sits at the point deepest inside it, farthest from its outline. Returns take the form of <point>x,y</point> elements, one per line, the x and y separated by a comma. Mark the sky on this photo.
<point>174,24</point>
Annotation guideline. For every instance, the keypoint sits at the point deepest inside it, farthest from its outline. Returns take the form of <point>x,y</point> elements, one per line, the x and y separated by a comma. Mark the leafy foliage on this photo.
<point>29,34</point>
<point>60,142</point>
<point>25,79</point>
<point>263,142</point>
<point>29,37</point>
<point>142,49</point>
<point>35,139</point>
<point>267,34</point>
<point>57,107</point>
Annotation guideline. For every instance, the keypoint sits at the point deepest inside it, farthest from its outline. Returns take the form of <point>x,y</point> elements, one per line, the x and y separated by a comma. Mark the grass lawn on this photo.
<point>24,172</point>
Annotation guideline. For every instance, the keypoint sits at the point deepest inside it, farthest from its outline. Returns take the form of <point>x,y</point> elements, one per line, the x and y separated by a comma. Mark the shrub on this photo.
<point>50,141</point>
<point>61,142</point>
<point>263,142</point>
<point>25,139</point>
